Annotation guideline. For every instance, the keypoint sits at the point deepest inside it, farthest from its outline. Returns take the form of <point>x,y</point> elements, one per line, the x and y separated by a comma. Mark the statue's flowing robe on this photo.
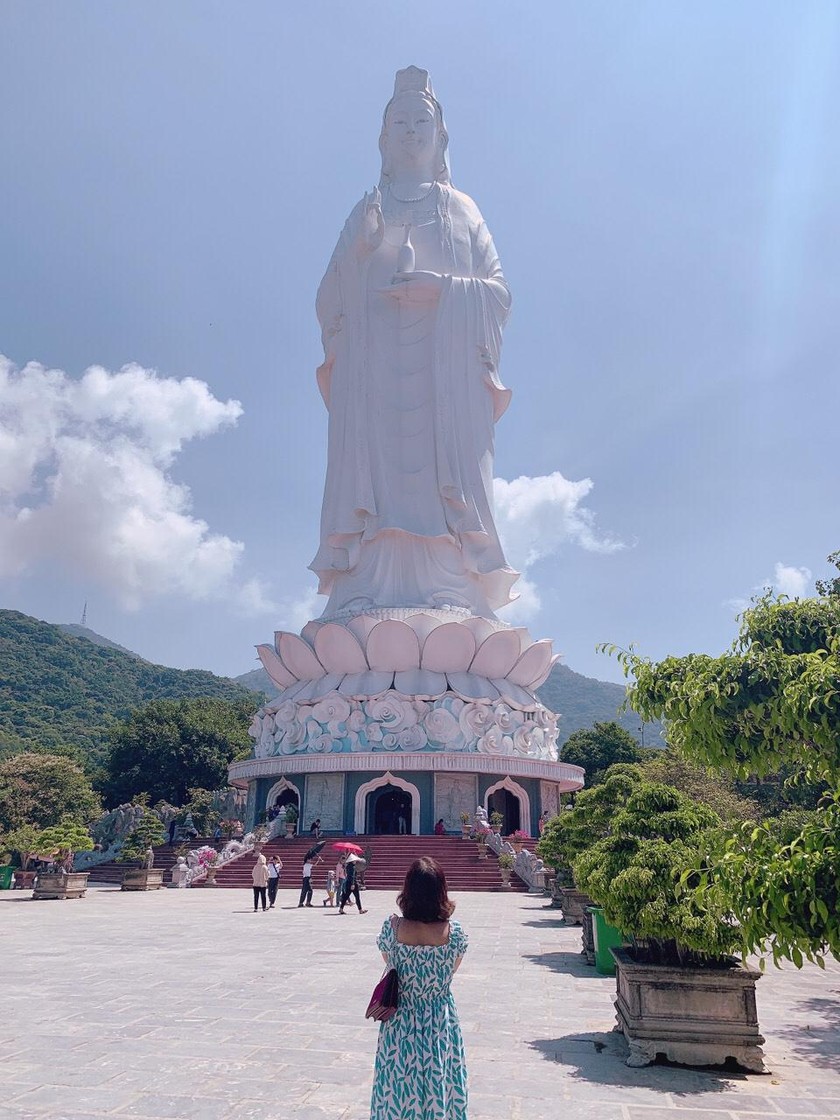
<point>413,394</point>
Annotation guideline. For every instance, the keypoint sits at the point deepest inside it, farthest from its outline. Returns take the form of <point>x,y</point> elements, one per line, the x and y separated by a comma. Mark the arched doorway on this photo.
<point>280,795</point>
<point>388,810</point>
<point>506,803</point>
<point>361,816</point>
<point>512,801</point>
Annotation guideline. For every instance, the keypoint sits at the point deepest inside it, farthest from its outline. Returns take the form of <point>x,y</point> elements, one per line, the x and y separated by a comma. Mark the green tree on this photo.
<point>146,834</point>
<point>638,874</point>
<point>572,831</point>
<point>172,746</point>
<point>23,841</point>
<point>39,789</point>
<point>717,791</point>
<point>63,840</point>
<point>598,747</point>
<point>771,702</point>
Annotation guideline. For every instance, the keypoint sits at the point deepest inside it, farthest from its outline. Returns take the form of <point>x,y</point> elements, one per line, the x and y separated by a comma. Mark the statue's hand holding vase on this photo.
<point>415,287</point>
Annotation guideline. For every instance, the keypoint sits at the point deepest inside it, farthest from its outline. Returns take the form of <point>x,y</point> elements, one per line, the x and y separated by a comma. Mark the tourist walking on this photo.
<point>259,877</point>
<point>351,883</point>
<point>339,880</point>
<point>420,1072</point>
<point>306,885</point>
<point>275,866</point>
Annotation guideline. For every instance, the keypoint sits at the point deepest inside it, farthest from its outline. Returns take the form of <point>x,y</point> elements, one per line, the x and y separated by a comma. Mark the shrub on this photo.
<point>148,832</point>
<point>645,874</point>
<point>573,831</point>
<point>506,861</point>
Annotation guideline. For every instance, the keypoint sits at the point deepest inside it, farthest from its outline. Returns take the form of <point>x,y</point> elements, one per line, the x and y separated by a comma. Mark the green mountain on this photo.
<point>581,702</point>
<point>79,631</point>
<point>63,692</point>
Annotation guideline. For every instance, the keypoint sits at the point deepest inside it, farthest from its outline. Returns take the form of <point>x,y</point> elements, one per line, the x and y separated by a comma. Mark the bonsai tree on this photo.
<point>291,814</point>
<point>573,831</point>
<point>148,832</point>
<point>63,840</point>
<point>772,701</point>
<point>641,874</point>
<point>506,861</point>
<point>24,842</point>
<point>497,819</point>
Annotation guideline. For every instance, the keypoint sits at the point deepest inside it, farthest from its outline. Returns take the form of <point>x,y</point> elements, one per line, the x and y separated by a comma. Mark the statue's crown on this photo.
<point>413,80</point>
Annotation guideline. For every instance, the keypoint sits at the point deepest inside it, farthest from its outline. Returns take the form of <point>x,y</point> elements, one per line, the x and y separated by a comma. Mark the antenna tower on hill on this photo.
<point>84,614</point>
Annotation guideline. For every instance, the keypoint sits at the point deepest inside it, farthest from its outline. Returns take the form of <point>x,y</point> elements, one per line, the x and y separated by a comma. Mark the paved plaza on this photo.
<point>187,1005</point>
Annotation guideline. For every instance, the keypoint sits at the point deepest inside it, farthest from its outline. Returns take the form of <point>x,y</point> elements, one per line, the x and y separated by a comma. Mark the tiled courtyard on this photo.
<point>187,1005</point>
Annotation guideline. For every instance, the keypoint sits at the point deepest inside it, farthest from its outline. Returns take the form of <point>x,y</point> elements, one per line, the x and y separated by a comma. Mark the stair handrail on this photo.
<point>233,850</point>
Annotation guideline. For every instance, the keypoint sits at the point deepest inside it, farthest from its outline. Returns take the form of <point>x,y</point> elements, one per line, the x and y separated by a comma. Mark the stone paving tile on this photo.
<point>47,1098</point>
<point>182,1004</point>
<point>151,1106</point>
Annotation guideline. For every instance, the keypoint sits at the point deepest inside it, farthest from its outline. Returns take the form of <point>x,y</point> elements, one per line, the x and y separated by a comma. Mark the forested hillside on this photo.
<point>581,702</point>
<point>60,692</point>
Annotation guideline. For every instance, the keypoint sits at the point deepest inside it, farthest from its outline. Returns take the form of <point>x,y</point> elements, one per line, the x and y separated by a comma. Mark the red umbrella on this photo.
<point>346,846</point>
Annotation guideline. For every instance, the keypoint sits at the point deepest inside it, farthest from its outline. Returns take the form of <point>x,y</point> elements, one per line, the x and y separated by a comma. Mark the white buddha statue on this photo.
<point>411,309</point>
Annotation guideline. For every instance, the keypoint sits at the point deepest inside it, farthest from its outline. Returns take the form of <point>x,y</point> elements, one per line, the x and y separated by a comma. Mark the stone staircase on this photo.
<point>165,857</point>
<point>391,857</point>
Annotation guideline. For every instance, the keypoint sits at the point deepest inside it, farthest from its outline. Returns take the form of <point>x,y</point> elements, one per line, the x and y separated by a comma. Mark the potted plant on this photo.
<point>466,825</point>
<point>518,839</point>
<point>291,814</point>
<point>208,860</point>
<point>260,836</point>
<point>139,849</point>
<point>497,819</point>
<point>60,843</point>
<point>23,842</point>
<point>680,992</point>
<point>572,832</point>
<point>506,862</point>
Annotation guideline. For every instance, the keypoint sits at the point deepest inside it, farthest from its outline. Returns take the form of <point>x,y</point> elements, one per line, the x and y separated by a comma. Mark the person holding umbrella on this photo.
<point>306,886</point>
<point>351,884</point>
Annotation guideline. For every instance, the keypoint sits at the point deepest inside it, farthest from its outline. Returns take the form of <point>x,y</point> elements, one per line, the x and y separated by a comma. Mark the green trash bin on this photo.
<point>606,937</point>
<point>6,876</point>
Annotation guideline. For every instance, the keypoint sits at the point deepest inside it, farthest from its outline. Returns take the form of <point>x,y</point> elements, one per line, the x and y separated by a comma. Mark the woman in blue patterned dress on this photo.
<point>420,1072</point>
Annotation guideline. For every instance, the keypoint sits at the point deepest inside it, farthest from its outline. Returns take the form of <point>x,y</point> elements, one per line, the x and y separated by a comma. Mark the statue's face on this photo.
<point>411,130</point>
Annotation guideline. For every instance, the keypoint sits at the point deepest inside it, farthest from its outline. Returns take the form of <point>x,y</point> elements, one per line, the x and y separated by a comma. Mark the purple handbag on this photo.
<point>383,1002</point>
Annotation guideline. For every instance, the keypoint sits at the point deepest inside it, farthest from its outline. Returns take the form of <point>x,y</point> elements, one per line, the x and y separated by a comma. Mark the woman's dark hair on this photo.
<point>423,897</point>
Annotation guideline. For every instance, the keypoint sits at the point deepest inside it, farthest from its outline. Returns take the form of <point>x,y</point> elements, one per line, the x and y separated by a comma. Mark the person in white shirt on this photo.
<point>275,866</point>
<point>306,886</point>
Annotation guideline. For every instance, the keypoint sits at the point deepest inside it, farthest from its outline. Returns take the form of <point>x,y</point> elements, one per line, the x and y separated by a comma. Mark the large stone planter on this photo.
<point>504,873</point>
<point>696,1016</point>
<point>573,903</point>
<point>142,879</point>
<point>73,885</point>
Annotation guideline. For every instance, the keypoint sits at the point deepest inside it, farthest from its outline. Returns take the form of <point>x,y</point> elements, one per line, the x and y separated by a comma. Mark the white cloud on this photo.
<point>84,483</point>
<point>792,582</point>
<point>294,613</point>
<point>536,517</point>
<point>786,580</point>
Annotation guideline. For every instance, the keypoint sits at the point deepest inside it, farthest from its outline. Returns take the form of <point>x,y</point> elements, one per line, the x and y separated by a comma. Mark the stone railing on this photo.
<point>530,868</point>
<point>231,851</point>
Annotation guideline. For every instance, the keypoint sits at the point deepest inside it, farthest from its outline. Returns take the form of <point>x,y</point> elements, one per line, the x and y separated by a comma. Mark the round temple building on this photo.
<point>369,749</point>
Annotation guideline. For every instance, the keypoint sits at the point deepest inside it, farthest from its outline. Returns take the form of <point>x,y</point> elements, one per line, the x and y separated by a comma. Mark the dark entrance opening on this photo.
<point>388,811</point>
<point>287,797</point>
<point>506,803</point>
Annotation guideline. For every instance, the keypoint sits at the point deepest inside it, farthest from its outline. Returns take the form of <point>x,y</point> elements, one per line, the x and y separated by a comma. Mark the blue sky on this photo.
<point>663,184</point>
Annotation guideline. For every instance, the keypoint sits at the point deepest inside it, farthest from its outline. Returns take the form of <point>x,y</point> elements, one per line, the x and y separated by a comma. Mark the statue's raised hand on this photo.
<point>373,224</point>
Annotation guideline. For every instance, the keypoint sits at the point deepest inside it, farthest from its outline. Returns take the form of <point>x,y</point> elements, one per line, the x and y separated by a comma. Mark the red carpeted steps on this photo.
<point>165,858</point>
<point>391,856</point>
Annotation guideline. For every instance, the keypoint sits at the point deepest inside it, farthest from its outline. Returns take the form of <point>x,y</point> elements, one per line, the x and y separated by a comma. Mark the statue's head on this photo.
<point>413,135</point>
